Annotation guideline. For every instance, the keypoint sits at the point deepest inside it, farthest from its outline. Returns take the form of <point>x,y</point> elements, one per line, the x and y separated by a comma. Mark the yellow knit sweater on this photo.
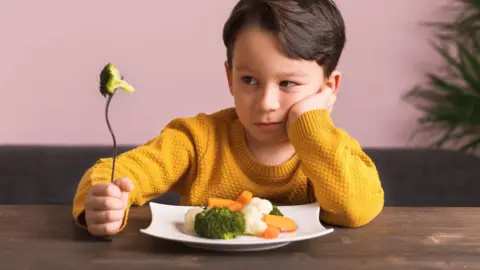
<point>207,156</point>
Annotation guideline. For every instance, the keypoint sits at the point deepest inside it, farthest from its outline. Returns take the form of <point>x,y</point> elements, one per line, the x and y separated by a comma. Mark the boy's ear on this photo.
<point>334,81</point>
<point>228,72</point>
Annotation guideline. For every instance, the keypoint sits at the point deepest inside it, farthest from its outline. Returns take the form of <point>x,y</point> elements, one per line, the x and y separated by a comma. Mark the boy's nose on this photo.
<point>269,100</point>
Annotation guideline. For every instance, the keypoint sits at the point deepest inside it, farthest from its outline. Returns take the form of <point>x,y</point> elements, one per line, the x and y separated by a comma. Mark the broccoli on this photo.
<point>220,223</point>
<point>275,211</point>
<point>110,80</point>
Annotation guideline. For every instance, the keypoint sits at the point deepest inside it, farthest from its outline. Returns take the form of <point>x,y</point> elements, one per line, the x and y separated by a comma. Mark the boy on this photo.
<point>278,142</point>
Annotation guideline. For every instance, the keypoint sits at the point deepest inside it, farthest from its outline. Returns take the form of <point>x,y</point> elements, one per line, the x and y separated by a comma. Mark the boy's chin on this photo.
<point>268,138</point>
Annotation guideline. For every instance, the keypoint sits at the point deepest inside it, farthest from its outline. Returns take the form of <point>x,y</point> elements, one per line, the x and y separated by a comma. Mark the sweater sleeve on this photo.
<point>345,180</point>
<point>153,167</point>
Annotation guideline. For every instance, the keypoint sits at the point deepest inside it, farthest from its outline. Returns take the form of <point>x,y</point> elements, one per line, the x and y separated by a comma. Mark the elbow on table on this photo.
<point>360,215</point>
<point>357,220</point>
<point>355,215</point>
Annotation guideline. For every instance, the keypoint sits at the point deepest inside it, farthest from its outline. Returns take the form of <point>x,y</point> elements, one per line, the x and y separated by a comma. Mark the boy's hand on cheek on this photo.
<point>319,101</point>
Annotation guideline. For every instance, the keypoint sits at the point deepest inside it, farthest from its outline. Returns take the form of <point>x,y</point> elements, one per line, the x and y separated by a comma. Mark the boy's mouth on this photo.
<point>268,125</point>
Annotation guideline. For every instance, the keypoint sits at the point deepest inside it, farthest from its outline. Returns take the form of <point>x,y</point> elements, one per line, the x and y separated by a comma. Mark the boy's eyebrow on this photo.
<point>282,74</point>
<point>242,68</point>
<point>293,74</point>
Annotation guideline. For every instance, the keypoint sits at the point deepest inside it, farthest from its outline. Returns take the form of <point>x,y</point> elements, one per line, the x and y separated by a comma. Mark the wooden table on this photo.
<point>44,237</point>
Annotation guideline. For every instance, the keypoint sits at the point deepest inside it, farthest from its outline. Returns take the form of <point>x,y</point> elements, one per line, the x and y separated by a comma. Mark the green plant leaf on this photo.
<point>443,85</point>
<point>450,100</point>
<point>470,63</point>
<point>461,66</point>
<point>470,146</point>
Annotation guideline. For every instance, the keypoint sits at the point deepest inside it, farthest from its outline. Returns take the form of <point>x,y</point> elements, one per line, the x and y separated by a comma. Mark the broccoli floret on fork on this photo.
<point>110,81</point>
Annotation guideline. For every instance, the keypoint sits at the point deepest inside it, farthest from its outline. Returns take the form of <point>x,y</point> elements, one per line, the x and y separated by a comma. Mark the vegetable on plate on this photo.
<point>245,216</point>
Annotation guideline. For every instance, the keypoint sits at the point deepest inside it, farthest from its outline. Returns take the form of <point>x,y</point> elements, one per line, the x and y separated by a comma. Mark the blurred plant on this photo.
<point>450,99</point>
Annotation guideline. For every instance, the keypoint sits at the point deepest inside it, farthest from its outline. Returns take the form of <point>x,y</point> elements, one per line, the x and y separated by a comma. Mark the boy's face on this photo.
<point>265,84</point>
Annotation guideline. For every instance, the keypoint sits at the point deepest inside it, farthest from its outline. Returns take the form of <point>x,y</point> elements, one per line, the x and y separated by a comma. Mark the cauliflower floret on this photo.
<point>254,211</point>
<point>251,213</point>
<point>258,228</point>
<point>253,218</point>
<point>264,206</point>
<point>189,219</point>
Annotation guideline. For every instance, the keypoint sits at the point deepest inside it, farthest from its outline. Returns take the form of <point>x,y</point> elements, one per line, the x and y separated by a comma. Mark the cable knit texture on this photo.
<point>207,156</point>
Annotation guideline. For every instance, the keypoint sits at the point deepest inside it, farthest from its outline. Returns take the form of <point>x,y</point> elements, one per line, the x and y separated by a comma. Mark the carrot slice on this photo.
<point>245,197</point>
<point>219,202</point>
<point>236,206</point>
<point>271,232</point>
<point>282,223</point>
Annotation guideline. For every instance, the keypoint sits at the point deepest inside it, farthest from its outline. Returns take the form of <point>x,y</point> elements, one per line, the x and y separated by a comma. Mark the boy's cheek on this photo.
<point>301,106</point>
<point>294,98</point>
<point>296,101</point>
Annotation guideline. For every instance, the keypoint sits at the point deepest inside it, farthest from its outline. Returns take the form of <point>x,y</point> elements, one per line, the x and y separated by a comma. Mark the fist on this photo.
<point>319,101</point>
<point>105,206</point>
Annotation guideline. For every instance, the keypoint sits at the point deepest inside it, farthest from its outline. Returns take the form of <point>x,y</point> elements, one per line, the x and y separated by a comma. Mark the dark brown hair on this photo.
<point>306,29</point>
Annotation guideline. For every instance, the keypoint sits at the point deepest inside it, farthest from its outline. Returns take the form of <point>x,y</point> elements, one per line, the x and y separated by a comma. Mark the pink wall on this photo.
<point>52,52</point>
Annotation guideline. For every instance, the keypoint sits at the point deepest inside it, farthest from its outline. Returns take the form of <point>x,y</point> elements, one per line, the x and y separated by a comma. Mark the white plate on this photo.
<point>167,223</point>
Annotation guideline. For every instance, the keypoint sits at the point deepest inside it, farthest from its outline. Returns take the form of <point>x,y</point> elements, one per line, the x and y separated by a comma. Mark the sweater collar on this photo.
<point>251,166</point>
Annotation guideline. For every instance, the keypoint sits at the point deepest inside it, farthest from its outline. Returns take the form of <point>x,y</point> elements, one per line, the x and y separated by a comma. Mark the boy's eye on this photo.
<point>287,84</point>
<point>249,80</point>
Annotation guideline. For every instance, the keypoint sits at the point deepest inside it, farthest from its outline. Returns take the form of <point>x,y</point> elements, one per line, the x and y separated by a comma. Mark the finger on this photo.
<point>104,229</point>
<point>104,203</point>
<point>104,216</point>
<point>106,189</point>
<point>124,198</point>
<point>124,184</point>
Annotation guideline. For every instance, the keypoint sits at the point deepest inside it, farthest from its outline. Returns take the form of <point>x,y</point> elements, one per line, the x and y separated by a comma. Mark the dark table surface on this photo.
<point>44,237</point>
